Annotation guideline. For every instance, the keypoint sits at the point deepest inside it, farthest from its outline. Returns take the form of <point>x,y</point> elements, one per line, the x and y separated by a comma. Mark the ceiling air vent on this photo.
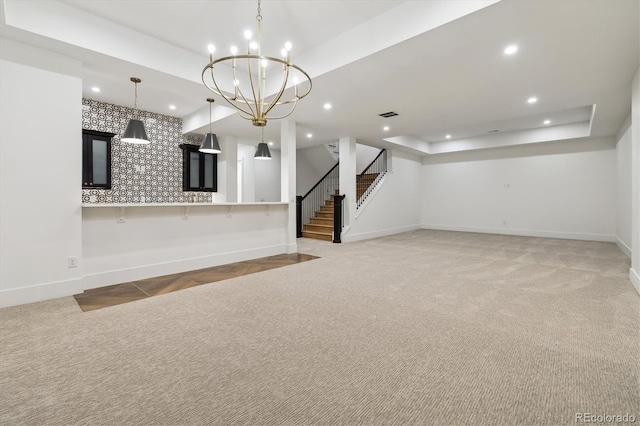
<point>388,114</point>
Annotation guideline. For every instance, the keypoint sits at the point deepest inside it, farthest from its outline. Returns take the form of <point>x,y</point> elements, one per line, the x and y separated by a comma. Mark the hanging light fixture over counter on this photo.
<point>249,85</point>
<point>262,150</point>
<point>135,132</point>
<point>210,143</point>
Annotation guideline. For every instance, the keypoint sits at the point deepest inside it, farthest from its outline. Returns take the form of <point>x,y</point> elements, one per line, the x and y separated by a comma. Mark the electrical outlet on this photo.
<point>72,262</point>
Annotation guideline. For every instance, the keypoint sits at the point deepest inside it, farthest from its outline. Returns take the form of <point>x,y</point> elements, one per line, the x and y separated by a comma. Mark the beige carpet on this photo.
<point>425,328</point>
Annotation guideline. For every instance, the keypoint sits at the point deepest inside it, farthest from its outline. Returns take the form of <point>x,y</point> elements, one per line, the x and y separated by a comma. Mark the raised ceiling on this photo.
<point>439,64</point>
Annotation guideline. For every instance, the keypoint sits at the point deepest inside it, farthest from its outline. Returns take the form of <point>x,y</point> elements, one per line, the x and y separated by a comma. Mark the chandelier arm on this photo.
<point>246,102</point>
<point>270,58</point>
<point>214,90</point>
<point>238,91</point>
<point>287,114</point>
<point>299,96</point>
<point>235,80</point>
<point>237,102</point>
<point>253,89</point>
<point>283,86</point>
<point>218,92</point>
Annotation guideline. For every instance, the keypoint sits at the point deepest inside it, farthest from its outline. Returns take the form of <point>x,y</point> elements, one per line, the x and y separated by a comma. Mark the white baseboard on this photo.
<point>378,233</point>
<point>524,232</point>
<point>635,279</point>
<point>102,279</point>
<point>622,246</point>
<point>54,290</point>
<point>40,292</point>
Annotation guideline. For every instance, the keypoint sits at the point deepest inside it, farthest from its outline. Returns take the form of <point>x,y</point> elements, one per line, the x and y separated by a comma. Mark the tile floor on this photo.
<point>117,294</point>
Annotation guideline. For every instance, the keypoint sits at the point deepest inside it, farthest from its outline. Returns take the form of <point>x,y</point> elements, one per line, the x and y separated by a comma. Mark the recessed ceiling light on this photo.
<point>547,121</point>
<point>95,89</point>
<point>271,143</point>
<point>532,100</point>
<point>448,136</point>
<point>172,107</point>
<point>385,128</point>
<point>327,106</point>
<point>309,135</point>
<point>510,50</point>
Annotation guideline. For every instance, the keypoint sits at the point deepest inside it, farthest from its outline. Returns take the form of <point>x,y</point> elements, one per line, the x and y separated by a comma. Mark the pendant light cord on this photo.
<point>135,81</point>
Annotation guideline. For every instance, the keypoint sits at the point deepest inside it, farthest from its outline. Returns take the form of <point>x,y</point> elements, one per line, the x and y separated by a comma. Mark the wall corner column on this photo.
<point>634,272</point>
<point>348,178</point>
<point>227,171</point>
<point>288,180</point>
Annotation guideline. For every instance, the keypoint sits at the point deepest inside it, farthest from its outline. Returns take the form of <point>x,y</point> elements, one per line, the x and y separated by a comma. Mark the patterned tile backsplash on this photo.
<point>140,173</point>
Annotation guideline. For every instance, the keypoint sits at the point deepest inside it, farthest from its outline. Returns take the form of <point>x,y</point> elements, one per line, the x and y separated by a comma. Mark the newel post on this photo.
<point>337,218</point>
<point>298,216</point>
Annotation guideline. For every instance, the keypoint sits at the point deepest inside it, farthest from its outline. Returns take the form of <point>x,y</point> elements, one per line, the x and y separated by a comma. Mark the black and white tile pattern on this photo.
<point>140,173</point>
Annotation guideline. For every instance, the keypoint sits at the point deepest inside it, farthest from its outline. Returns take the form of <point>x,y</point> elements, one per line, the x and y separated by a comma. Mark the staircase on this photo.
<point>315,205</point>
<point>321,226</point>
<point>363,182</point>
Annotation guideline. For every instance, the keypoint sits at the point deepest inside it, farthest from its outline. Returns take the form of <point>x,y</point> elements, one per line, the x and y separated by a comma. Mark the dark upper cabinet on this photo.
<point>199,170</point>
<point>96,159</point>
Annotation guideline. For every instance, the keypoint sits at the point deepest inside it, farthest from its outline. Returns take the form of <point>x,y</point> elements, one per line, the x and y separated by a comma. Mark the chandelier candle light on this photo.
<point>249,85</point>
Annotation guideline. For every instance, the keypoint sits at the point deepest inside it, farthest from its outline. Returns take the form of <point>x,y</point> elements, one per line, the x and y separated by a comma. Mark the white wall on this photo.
<point>395,207</point>
<point>40,175</point>
<point>563,193</point>
<point>261,178</point>
<point>267,177</point>
<point>634,272</point>
<point>227,170</point>
<point>156,241</point>
<point>315,162</point>
<point>245,154</point>
<point>312,163</point>
<point>623,188</point>
<point>364,156</point>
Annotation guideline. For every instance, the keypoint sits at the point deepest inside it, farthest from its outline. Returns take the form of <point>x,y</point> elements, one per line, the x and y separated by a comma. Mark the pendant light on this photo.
<point>210,142</point>
<point>135,132</point>
<point>262,151</point>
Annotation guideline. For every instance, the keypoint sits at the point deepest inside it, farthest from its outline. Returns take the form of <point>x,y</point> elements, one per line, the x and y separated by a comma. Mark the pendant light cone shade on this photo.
<point>262,152</point>
<point>210,144</point>
<point>135,132</point>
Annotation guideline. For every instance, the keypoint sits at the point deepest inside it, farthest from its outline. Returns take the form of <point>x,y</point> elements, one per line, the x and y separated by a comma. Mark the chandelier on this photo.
<point>247,90</point>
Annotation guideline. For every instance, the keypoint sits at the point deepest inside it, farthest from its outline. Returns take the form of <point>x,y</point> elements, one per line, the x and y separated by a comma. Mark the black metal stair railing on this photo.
<point>367,180</point>
<point>308,204</point>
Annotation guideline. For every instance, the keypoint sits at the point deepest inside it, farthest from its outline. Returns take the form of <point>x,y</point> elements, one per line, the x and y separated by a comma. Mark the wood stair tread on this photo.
<point>328,220</point>
<point>317,235</point>
<point>319,226</point>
